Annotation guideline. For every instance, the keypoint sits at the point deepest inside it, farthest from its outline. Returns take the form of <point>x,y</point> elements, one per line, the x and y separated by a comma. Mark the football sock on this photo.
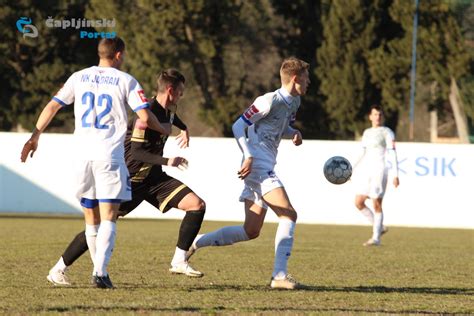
<point>189,229</point>
<point>104,246</point>
<point>179,257</point>
<point>60,265</point>
<point>76,248</point>
<point>222,237</point>
<point>283,246</point>
<point>369,214</point>
<point>91,236</point>
<point>378,225</point>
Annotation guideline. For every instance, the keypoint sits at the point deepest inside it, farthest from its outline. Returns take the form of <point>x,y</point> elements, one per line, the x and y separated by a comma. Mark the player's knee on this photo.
<point>288,212</point>
<point>197,204</point>
<point>294,216</point>
<point>201,205</point>
<point>360,204</point>
<point>194,203</point>
<point>252,232</point>
<point>377,206</point>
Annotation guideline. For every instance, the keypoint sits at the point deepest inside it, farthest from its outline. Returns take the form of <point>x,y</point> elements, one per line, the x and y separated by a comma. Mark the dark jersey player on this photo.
<point>144,158</point>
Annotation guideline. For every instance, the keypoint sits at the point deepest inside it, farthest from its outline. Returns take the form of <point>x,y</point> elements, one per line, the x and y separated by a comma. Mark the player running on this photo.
<point>370,177</point>
<point>144,157</point>
<point>266,121</point>
<point>100,94</point>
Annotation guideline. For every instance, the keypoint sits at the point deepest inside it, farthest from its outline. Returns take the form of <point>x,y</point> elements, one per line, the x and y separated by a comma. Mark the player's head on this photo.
<point>294,74</point>
<point>171,82</point>
<point>376,115</point>
<point>112,50</point>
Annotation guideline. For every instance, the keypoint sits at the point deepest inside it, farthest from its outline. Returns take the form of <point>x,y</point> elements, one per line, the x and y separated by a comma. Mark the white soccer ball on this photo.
<point>337,170</point>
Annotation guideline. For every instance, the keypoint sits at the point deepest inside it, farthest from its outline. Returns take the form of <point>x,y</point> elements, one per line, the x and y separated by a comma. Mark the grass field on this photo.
<point>429,271</point>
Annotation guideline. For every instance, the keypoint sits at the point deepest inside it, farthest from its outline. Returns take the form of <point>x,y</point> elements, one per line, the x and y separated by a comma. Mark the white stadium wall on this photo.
<point>435,181</point>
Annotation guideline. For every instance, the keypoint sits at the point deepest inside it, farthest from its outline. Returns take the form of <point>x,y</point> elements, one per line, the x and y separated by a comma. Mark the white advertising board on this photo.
<point>435,181</point>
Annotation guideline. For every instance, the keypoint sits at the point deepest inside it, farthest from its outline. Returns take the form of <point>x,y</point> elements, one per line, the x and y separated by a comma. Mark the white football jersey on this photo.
<point>376,141</point>
<point>100,95</point>
<point>268,119</point>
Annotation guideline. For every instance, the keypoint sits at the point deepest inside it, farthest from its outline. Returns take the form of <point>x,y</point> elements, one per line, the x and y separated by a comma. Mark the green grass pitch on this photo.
<point>425,271</point>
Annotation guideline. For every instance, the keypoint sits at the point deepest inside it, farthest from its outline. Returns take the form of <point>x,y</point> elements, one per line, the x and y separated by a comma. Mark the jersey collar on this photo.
<point>287,97</point>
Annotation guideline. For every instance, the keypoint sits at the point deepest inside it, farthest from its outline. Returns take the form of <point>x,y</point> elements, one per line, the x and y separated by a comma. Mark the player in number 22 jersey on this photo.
<point>100,95</point>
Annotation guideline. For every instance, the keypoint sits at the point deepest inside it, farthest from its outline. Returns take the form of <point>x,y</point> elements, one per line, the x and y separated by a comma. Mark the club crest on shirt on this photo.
<point>251,111</point>
<point>142,96</point>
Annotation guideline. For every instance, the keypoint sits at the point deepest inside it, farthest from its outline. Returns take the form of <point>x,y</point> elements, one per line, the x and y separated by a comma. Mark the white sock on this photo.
<point>378,225</point>
<point>369,214</point>
<point>60,265</point>
<point>91,235</point>
<point>179,257</point>
<point>104,246</point>
<point>283,245</point>
<point>222,237</point>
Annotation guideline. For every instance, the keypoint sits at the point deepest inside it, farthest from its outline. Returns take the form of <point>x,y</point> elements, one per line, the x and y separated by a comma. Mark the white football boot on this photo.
<point>287,283</point>
<point>372,242</point>
<point>58,277</point>
<point>185,269</point>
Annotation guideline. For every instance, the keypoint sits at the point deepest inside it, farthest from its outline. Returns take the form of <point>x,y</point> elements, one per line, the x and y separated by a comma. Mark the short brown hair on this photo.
<point>168,77</point>
<point>292,66</point>
<point>376,107</point>
<point>108,47</point>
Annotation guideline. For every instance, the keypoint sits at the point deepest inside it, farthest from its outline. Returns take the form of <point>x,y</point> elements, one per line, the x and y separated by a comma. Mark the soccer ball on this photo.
<point>337,170</point>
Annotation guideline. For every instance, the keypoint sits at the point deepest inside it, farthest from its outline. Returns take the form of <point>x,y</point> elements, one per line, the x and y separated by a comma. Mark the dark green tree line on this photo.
<point>230,51</point>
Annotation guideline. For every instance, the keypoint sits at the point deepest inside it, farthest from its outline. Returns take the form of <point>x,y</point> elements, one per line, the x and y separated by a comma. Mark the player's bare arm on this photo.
<point>44,119</point>
<point>152,122</point>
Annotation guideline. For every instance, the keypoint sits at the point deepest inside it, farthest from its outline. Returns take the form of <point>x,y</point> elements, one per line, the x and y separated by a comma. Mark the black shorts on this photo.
<point>163,192</point>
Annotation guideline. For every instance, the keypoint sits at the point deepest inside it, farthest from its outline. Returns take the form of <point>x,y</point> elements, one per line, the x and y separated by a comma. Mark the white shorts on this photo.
<point>258,183</point>
<point>371,182</point>
<point>99,180</point>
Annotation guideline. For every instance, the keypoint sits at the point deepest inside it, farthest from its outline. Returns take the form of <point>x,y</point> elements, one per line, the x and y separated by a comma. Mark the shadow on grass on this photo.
<point>95,309</point>
<point>223,309</point>
<point>306,288</point>
<point>358,289</point>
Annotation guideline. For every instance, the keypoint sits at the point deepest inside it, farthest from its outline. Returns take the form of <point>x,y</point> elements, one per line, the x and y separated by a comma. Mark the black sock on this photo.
<point>76,248</point>
<point>190,228</point>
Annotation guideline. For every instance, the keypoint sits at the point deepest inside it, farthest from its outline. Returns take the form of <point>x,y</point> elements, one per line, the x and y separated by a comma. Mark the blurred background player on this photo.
<point>144,157</point>
<point>372,172</point>
<point>266,121</point>
<point>100,94</point>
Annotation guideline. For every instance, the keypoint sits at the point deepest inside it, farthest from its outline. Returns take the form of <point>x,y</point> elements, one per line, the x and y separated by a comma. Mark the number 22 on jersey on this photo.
<point>103,101</point>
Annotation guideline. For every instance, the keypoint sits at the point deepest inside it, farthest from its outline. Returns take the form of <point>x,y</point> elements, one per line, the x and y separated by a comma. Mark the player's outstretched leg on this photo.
<point>77,247</point>
<point>229,235</point>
